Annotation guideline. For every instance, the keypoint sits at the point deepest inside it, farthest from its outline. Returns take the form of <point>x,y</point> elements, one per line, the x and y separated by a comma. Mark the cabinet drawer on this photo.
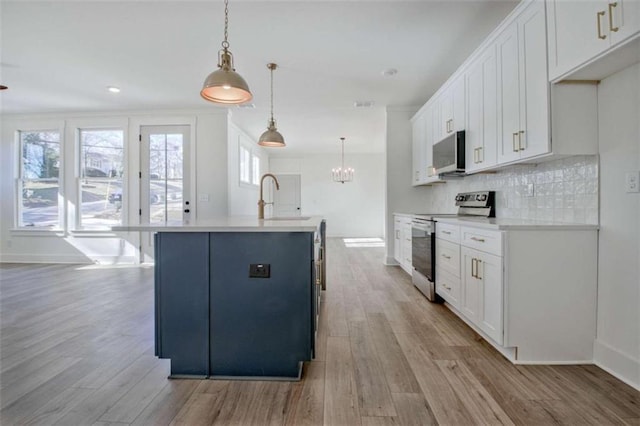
<point>448,286</point>
<point>448,256</point>
<point>448,232</point>
<point>481,239</point>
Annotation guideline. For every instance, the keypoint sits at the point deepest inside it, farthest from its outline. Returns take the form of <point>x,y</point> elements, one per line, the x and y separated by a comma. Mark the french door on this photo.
<point>164,179</point>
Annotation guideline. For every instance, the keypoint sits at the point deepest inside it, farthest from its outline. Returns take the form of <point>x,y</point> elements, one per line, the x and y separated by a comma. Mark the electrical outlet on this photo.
<point>632,181</point>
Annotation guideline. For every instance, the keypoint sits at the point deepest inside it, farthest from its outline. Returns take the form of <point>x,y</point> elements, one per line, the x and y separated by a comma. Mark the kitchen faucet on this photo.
<point>261,202</point>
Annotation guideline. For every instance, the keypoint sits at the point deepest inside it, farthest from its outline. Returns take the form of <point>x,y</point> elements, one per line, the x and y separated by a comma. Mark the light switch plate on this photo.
<point>632,181</point>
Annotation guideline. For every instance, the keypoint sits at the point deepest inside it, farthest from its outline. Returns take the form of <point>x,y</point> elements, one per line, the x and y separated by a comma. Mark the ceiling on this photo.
<point>59,57</point>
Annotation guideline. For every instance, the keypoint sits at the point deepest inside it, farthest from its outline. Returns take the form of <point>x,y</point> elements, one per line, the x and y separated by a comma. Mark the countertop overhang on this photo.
<point>230,224</point>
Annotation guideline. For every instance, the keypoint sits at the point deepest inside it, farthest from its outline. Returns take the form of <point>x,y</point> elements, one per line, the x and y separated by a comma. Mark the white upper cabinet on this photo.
<point>418,144</point>
<point>481,116</point>
<point>581,30</point>
<point>451,109</point>
<point>523,88</point>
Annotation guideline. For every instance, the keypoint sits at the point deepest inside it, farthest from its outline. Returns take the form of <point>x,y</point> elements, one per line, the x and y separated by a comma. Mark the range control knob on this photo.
<point>478,197</point>
<point>483,197</point>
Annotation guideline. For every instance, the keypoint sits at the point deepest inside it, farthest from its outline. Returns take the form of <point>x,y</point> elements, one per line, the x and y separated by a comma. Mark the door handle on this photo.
<point>611,7</point>
<point>598,16</point>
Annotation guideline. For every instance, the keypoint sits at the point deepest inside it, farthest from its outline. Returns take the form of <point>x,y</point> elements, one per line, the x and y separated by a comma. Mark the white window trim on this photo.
<point>76,220</point>
<point>37,126</point>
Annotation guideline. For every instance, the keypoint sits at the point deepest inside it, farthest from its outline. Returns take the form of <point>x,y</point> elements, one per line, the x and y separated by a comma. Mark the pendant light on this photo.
<point>342,174</point>
<point>271,137</point>
<point>225,85</point>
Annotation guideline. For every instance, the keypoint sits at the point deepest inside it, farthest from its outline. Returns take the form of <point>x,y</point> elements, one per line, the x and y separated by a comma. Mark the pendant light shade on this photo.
<point>225,85</point>
<point>271,138</point>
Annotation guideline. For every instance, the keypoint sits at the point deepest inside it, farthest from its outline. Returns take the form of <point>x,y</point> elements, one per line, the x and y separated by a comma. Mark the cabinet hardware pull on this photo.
<point>473,264</point>
<point>446,257</point>
<point>446,232</point>
<point>598,16</point>
<point>520,147</point>
<point>480,240</point>
<point>513,142</point>
<point>611,7</point>
<point>398,234</point>
<point>478,262</point>
<point>475,157</point>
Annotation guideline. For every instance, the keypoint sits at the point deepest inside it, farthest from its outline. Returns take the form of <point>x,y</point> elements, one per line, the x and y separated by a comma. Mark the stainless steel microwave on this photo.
<point>448,154</point>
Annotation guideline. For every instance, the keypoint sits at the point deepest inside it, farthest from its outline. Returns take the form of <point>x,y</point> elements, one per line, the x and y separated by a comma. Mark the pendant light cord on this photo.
<point>225,43</point>
<point>271,93</point>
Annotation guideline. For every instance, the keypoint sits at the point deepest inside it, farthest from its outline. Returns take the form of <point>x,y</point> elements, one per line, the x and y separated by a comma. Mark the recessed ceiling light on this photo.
<point>363,104</point>
<point>113,89</point>
<point>389,72</point>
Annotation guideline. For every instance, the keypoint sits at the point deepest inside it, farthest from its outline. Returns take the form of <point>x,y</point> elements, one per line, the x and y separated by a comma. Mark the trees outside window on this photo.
<point>39,180</point>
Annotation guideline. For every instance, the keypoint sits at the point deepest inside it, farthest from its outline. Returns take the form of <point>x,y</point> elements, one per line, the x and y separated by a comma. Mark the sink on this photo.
<point>289,218</point>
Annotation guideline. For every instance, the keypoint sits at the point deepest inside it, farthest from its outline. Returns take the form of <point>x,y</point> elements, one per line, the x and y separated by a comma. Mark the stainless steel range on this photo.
<point>423,237</point>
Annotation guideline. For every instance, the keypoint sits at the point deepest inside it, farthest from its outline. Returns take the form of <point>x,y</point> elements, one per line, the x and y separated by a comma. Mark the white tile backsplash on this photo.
<point>565,190</point>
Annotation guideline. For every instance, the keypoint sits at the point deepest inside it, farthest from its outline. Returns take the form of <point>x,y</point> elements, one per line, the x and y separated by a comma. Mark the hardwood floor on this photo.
<point>76,348</point>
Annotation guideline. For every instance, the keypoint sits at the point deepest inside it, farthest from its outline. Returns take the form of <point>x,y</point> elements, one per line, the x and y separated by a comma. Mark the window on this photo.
<point>255,169</point>
<point>39,181</point>
<point>249,166</point>
<point>101,170</point>
<point>245,165</point>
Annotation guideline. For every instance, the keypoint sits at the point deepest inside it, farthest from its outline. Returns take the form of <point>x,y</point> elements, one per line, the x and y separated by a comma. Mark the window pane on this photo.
<point>101,169</point>
<point>244,165</point>
<point>165,177</point>
<point>40,166</point>
<point>255,169</point>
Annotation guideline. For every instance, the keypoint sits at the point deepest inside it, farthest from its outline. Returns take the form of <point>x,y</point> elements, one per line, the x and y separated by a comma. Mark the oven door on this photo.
<point>422,249</point>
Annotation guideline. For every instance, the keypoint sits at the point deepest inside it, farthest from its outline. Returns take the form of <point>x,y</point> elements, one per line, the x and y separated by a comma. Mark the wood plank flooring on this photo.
<point>76,348</point>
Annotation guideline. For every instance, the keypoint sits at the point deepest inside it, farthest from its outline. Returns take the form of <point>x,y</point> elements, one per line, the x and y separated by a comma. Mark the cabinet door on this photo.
<point>623,19</point>
<point>489,271</point>
<point>397,242</point>
<point>480,132</point>
<point>573,33</point>
<point>470,291</point>
<point>459,105</point>
<point>508,94</point>
<point>446,113</point>
<point>534,85</point>
<point>418,135</point>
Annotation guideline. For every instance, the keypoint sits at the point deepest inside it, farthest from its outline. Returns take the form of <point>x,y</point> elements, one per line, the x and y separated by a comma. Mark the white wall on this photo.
<point>209,138</point>
<point>617,346</point>
<point>353,209</point>
<point>401,197</point>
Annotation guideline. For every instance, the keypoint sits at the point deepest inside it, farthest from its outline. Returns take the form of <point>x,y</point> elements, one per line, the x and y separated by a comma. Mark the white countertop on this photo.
<point>506,224</point>
<point>515,224</point>
<point>231,224</point>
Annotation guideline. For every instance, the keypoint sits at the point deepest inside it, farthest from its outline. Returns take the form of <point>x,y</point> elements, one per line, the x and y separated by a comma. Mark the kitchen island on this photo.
<point>236,297</point>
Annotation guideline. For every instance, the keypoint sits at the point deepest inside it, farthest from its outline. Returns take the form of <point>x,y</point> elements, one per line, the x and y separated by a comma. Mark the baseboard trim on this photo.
<point>617,363</point>
<point>390,261</point>
<point>52,258</point>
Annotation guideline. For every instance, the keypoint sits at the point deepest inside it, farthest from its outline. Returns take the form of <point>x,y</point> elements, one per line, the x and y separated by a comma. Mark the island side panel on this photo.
<point>260,327</point>
<point>182,307</point>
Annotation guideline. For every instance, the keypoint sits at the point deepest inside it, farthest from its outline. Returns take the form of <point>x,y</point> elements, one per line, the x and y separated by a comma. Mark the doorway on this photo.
<point>286,201</point>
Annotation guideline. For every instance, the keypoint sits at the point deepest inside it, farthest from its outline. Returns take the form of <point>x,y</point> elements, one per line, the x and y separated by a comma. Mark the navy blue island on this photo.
<point>237,297</point>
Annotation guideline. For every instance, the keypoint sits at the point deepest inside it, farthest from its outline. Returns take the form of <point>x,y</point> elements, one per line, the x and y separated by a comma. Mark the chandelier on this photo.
<point>342,174</point>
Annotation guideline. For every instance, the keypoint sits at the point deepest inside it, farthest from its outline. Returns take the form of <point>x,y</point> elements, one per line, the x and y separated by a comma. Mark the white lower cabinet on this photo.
<point>482,295</point>
<point>530,292</point>
<point>402,242</point>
